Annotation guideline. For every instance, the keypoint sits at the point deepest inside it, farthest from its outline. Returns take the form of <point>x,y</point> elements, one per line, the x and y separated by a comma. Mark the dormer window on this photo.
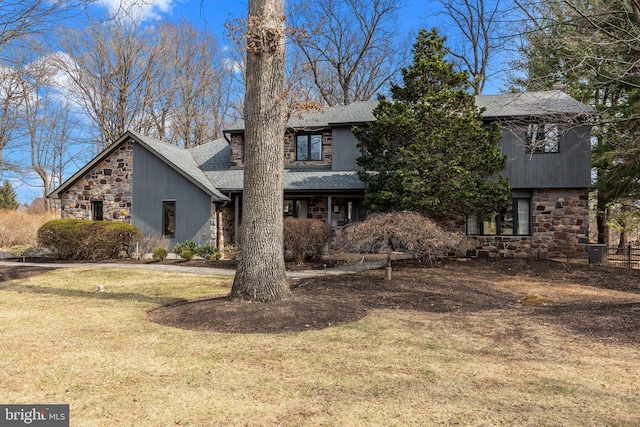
<point>309,147</point>
<point>543,138</point>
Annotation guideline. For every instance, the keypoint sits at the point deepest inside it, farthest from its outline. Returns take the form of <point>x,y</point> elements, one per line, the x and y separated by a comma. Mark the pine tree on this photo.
<point>8,198</point>
<point>428,150</point>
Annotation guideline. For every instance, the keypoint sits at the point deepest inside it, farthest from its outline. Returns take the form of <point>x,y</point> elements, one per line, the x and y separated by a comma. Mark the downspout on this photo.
<point>236,224</point>
<point>329,220</point>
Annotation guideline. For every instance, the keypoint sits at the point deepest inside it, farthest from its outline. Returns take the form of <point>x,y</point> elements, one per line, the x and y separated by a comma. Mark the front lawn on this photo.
<point>440,362</point>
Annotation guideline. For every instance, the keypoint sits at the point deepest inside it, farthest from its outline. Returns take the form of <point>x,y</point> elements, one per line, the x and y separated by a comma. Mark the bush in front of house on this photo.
<point>386,232</point>
<point>205,251</point>
<point>77,239</point>
<point>160,253</point>
<point>304,239</point>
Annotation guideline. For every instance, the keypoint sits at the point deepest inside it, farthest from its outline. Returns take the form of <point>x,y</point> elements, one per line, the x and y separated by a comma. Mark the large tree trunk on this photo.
<point>260,275</point>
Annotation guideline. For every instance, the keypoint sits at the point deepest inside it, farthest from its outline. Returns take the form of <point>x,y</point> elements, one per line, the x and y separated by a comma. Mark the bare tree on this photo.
<point>350,47</point>
<point>21,18</point>
<point>190,92</point>
<point>11,97</point>
<point>108,66</point>
<point>260,275</point>
<point>48,124</point>
<point>479,35</point>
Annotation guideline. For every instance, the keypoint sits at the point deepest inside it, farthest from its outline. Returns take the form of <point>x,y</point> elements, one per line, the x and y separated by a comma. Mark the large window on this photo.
<point>543,138</point>
<point>513,221</point>
<point>169,218</point>
<point>309,147</point>
<point>97,210</point>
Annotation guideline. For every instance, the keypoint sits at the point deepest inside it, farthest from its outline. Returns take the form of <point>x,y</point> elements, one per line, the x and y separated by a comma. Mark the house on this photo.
<point>195,194</point>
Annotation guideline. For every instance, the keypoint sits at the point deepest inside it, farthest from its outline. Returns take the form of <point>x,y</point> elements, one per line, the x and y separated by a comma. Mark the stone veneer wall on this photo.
<point>237,158</point>
<point>290,150</point>
<point>109,182</point>
<point>559,227</point>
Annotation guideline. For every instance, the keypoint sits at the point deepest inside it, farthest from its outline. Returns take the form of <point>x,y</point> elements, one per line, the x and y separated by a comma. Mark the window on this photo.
<point>309,147</point>
<point>296,208</point>
<point>97,211</point>
<point>513,221</point>
<point>543,138</point>
<point>169,218</point>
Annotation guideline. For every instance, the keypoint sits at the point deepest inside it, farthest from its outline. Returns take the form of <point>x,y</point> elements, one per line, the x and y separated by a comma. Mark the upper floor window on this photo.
<point>309,147</point>
<point>543,138</point>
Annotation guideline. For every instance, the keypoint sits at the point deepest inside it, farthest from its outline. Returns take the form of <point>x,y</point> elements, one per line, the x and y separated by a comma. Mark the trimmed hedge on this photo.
<point>79,239</point>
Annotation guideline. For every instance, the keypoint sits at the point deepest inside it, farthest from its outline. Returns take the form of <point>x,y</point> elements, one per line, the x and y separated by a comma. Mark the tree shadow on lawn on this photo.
<point>75,293</point>
<point>327,301</point>
<point>615,321</point>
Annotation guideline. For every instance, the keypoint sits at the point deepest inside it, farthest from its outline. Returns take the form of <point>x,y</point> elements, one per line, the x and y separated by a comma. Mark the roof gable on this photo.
<point>177,158</point>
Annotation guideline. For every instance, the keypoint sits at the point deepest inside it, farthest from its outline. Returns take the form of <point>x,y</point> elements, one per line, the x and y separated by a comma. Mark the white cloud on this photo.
<point>138,10</point>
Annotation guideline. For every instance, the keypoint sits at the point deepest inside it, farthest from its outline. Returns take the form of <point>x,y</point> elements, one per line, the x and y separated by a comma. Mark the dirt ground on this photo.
<point>595,301</point>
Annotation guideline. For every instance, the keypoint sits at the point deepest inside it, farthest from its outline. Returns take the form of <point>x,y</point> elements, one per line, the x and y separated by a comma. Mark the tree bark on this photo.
<point>260,275</point>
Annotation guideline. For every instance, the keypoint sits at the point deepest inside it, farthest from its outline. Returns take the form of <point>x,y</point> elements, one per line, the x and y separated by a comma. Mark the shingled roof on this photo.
<point>207,165</point>
<point>505,105</point>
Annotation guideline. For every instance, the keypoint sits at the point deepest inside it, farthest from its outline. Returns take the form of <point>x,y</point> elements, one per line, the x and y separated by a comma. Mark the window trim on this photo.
<point>166,219</point>
<point>308,136</point>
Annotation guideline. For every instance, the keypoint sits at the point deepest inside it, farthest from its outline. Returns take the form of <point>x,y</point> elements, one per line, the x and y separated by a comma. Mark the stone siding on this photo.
<point>109,182</point>
<point>290,151</point>
<point>236,146</point>
<point>559,228</point>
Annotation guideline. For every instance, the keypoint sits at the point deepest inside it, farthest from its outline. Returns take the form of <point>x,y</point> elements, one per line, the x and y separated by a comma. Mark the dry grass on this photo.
<point>63,342</point>
<point>20,228</point>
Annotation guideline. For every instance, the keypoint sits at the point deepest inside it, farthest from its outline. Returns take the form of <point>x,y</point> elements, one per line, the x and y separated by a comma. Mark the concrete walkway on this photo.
<point>295,275</point>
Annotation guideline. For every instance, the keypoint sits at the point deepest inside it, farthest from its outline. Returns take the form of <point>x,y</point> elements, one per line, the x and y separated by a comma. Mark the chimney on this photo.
<point>560,86</point>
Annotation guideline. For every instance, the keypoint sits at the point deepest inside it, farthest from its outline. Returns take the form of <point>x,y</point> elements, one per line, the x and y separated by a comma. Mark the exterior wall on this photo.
<point>157,182</point>
<point>109,182</point>
<point>345,150</point>
<point>559,228</point>
<point>568,168</point>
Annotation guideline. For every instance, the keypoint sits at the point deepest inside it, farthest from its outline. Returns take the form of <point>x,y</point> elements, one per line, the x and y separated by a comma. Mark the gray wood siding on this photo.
<point>155,181</point>
<point>569,168</point>
<point>344,150</point>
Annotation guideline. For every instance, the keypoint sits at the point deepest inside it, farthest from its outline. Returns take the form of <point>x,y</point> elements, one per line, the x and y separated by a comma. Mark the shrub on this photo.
<point>187,254</point>
<point>386,232</point>
<point>305,238</point>
<point>230,252</point>
<point>187,244</point>
<point>24,250</point>
<point>87,240</point>
<point>205,251</point>
<point>209,252</point>
<point>160,253</point>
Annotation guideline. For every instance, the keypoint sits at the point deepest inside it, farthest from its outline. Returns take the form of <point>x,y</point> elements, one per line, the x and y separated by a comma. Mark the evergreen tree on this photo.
<point>428,150</point>
<point>8,197</point>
